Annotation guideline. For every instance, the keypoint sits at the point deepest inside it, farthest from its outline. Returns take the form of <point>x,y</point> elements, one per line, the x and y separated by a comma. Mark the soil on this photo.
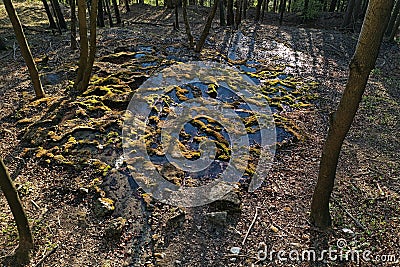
<point>85,209</point>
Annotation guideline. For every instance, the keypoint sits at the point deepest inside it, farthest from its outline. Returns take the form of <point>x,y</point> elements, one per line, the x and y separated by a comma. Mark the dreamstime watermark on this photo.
<point>228,107</point>
<point>341,253</point>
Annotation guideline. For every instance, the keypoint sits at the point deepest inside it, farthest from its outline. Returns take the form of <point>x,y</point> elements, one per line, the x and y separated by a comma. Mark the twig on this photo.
<point>34,204</point>
<point>46,256</point>
<point>357,222</point>
<point>251,226</point>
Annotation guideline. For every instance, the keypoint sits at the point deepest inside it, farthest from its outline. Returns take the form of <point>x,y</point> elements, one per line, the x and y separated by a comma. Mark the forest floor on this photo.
<point>64,151</point>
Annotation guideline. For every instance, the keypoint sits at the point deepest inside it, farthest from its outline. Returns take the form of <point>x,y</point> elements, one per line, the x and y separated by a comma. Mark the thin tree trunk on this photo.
<point>289,6</point>
<point>222,21</point>
<point>49,15</point>
<point>25,51</point>
<point>90,60</point>
<point>73,24</point>
<point>100,14</point>
<point>187,25</point>
<point>305,9</point>
<point>238,15</point>
<point>395,28</point>
<point>393,18</point>
<point>11,194</point>
<point>244,5</point>
<point>176,23</point>
<point>110,21</point>
<point>361,65</point>
<point>264,8</point>
<point>207,27</point>
<point>348,17</point>
<point>282,11</point>
<point>230,19</point>
<point>116,11</point>
<point>275,4</point>
<point>59,14</point>
<point>84,46</point>
<point>258,10</point>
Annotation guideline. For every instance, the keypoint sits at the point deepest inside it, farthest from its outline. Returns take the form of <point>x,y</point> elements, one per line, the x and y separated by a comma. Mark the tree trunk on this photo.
<point>207,27</point>
<point>264,8</point>
<point>238,15</point>
<point>73,24</point>
<point>275,5</point>
<point>59,14</point>
<point>361,65</point>
<point>305,9</point>
<point>244,7</point>
<point>25,51</point>
<point>395,28</point>
<point>49,15</point>
<point>90,60</point>
<point>348,17</point>
<point>84,46</point>
<point>176,23</point>
<point>110,21</point>
<point>100,14</point>
<point>11,194</point>
<point>116,11</point>
<point>393,18</point>
<point>282,11</point>
<point>229,13</point>
<point>289,6</point>
<point>258,10</point>
<point>222,21</point>
<point>187,25</point>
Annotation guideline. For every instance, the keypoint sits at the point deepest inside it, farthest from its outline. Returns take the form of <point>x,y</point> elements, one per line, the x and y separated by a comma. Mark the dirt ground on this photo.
<point>63,152</point>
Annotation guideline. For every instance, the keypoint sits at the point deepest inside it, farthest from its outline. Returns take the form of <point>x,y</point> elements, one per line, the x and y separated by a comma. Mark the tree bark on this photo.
<point>282,11</point>
<point>73,24</point>
<point>90,60</point>
<point>52,23</point>
<point>207,27</point>
<point>59,14</point>
<point>229,13</point>
<point>25,51</point>
<point>187,25</point>
<point>238,13</point>
<point>100,14</point>
<point>116,11</point>
<point>264,8</point>
<point>84,46</point>
<point>24,231</point>
<point>258,10</point>
<point>110,21</point>
<point>361,65</point>
<point>176,23</point>
<point>222,21</point>
<point>393,18</point>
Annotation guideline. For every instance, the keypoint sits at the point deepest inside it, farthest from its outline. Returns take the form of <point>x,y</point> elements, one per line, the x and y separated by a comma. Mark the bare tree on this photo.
<point>361,65</point>
<point>187,25</point>
<point>25,51</point>
<point>206,30</point>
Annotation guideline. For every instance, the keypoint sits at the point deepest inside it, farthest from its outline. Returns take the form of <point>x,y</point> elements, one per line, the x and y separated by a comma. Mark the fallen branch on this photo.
<point>251,226</point>
<point>46,256</point>
<point>357,222</point>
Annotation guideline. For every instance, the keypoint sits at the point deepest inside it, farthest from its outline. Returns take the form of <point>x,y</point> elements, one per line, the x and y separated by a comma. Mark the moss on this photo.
<point>181,93</point>
<point>212,90</point>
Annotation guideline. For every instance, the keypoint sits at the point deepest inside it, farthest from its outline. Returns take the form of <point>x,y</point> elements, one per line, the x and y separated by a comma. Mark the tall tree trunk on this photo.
<point>258,10</point>
<point>59,14</point>
<point>100,14</point>
<point>116,11</point>
<point>395,28</point>
<point>244,7</point>
<point>207,27</point>
<point>84,46</point>
<point>11,194</point>
<point>229,13</point>
<point>73,24</point>
<point>264,8</point>
<point>176,23</point>
<point>222,21</point>
<point>110,21</point>
<point>393,18</point>
<point>187,25</point>
<point>90,60</point>
<point>238,15</point>
<point>49,15</point>
<point>25,51</point>
<point>275,4</point>
<point>282,11</point>
<point>305,9</point>
<point>289,8</point>
<point>348,17</point>
<point>361,65</point>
